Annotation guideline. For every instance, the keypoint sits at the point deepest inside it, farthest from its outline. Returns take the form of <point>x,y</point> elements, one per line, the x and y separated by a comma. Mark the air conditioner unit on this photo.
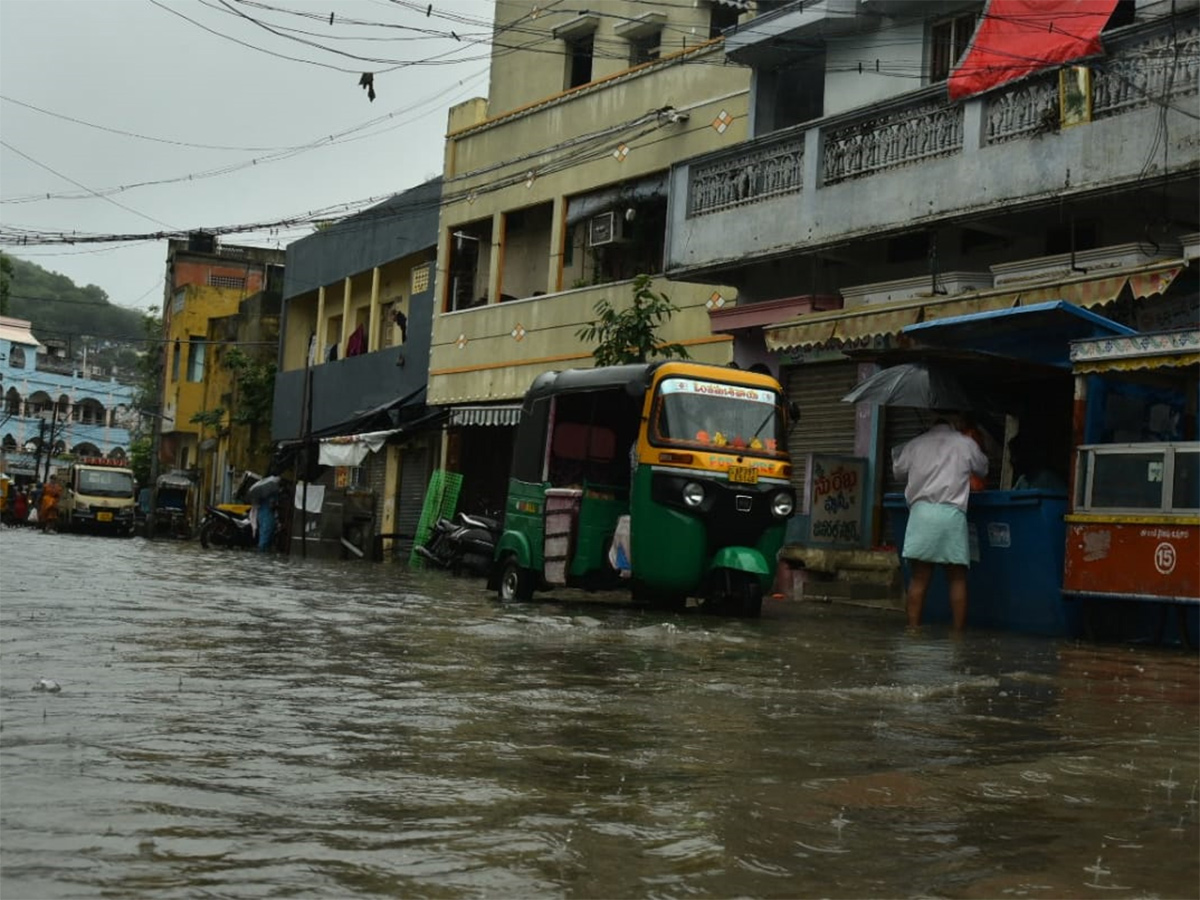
<point>606,228</point>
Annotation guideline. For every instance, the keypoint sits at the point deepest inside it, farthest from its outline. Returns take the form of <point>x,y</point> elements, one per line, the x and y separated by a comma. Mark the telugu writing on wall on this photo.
<point>837,499</point>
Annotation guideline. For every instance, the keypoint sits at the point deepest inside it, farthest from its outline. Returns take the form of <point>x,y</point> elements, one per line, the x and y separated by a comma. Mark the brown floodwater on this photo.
<point>236,725</point>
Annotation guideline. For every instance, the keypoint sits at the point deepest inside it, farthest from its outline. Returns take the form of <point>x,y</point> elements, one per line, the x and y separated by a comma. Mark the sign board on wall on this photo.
<point>836,488</point>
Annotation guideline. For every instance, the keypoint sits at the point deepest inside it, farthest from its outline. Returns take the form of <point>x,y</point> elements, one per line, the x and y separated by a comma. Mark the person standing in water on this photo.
<point>938,466</point>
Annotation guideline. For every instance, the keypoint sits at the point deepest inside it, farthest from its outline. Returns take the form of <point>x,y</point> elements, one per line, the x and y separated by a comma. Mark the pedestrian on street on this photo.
<point>938,466</point>
<point>48,506</point>
<point>20,507</point>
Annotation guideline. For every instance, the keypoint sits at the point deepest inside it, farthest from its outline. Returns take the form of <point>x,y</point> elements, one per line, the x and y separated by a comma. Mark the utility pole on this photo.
<point>50,446</point>
<point>37,459</point>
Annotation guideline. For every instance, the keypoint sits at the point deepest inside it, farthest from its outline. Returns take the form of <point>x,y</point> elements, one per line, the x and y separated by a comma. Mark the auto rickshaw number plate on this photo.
<point>104,517</point>
<point>743,474</point>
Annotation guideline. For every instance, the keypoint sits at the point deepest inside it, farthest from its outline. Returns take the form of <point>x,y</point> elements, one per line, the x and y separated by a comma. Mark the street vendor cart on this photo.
<point>1133,528</point>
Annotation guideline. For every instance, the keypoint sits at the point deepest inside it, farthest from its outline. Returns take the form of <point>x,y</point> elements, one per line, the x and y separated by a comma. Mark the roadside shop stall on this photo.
<point>1015,364</point>
<point>1133,530</point>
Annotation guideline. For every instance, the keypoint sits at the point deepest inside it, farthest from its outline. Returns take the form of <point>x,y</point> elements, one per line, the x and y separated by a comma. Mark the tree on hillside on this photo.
<point>631,335</point>
<point>58,308</point>
<point>6,269</point>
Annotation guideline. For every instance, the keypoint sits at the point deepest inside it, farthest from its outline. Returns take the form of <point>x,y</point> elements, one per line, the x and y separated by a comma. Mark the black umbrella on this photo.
<point>919,385</point>
<point>263,488</point>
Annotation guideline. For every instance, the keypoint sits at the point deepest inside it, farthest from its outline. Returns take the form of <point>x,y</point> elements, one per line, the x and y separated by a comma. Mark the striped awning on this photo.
<point>492,414</point>
<point>839,327</point>
<point>1162,350</point>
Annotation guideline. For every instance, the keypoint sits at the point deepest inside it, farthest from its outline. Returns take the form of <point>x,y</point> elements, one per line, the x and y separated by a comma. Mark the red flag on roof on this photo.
<point>1016,38</point>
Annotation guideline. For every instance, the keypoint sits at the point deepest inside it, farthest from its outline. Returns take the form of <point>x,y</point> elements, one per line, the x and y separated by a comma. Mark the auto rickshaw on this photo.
<point>668,478</point>
<point>175,498</point>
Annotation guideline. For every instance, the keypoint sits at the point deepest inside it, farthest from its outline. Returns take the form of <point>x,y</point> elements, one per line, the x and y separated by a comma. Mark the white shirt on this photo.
<point>939,464</point>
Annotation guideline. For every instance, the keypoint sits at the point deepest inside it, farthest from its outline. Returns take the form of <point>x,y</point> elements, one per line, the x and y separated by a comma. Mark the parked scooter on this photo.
<point>464,545</point>
<point>227,525</point>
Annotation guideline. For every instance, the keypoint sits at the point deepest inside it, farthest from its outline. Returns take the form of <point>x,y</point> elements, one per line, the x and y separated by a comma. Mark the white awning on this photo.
<point>352,449</point>
<point>495,414</point>
<point>17,331</point>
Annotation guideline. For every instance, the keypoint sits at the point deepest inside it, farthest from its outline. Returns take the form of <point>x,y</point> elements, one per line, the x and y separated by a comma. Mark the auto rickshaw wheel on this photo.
<point>516,582</point>
<point>660,601</point>
<point>736,593</point>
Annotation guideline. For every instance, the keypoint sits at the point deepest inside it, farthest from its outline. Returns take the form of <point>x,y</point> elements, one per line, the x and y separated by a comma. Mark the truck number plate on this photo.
<point>743,474</point>
<point>103,517</point>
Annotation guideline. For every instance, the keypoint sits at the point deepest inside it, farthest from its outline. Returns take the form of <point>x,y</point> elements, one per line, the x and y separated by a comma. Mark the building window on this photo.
<point>227,281</point>
<point>579,60</point>
<point>722,15</point>
<point>948,40</point>
<point>175,362</point>
<point>645,49</point>
<point>195,360</point>
<point>16,356</point>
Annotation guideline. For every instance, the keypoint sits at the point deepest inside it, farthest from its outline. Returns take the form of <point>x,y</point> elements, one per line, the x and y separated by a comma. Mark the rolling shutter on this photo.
<point>826,423</point>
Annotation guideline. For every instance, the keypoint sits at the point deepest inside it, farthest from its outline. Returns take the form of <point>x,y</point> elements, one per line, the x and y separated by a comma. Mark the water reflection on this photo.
<point>243,725</point>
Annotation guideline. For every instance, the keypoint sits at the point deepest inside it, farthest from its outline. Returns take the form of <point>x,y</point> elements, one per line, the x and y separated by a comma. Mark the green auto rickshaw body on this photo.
<point>690,457</point>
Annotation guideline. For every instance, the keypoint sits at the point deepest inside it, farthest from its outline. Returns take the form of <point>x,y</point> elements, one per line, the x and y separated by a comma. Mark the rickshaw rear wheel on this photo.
<point>516,582</point>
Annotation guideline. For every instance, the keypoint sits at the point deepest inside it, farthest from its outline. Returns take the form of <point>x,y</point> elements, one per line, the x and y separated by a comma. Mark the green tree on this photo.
<point>6,270</point>
<point>630,335</point>
<point>254,380</point>
<point>140,450</point>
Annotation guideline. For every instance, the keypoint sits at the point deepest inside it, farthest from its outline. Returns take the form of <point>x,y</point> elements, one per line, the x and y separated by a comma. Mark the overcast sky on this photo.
<point>138,67</point>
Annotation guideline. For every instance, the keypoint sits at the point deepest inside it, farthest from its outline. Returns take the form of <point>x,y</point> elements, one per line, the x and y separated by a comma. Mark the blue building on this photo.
<point>51,405</point>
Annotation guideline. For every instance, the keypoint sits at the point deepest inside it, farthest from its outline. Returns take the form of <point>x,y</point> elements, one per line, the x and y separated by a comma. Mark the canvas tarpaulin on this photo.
<point>1016,38</point>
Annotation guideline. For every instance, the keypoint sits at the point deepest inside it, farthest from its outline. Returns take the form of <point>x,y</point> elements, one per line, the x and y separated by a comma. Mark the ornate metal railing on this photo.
<point>1028,109</point>
<point>1145,65</point>
<point>747,178</point>
<point>1155,70</point>
<point>891,139</point>
<point>1142,69</point>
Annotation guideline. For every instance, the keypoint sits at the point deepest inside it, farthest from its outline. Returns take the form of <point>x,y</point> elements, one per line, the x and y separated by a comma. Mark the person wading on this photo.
<point>938,466</point>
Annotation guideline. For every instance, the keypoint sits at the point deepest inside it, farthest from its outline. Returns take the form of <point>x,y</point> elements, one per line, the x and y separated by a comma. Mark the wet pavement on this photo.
<point>184,723</point>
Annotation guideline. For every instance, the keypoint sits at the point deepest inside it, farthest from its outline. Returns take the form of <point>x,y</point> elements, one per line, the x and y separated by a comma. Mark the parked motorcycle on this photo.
<point>464,545</point>
<point>227,525</point>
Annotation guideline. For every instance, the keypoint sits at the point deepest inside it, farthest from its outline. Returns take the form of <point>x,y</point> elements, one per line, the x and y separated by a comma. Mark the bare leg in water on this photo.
<point>957,578</point>
<point>918,586</point>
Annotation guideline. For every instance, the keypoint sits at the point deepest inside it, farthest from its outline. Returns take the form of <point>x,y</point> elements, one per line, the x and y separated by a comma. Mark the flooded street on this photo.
<point>233,725</point>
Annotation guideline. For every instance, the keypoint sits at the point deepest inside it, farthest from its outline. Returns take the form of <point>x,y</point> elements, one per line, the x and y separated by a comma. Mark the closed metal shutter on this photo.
<point>376,478</point>
<point>826,423</point>
<point>414,479</point>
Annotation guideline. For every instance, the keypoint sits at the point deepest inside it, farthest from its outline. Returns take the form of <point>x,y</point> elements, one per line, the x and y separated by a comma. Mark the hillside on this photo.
<point>60,310</point>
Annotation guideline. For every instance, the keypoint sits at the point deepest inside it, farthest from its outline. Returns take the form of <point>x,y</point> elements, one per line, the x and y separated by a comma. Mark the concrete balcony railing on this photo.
<point>919,158</point>
<point>494,352</point>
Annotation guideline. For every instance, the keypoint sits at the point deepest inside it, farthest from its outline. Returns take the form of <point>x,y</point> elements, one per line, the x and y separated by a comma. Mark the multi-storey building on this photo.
<point>205,280</point>
<point>353,360</point>
<point>555,197</point>
<point>47,414</point>
<point>894,176</point>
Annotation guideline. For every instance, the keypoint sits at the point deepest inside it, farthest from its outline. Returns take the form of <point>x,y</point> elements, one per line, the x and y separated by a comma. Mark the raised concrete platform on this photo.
<point>861,577</point>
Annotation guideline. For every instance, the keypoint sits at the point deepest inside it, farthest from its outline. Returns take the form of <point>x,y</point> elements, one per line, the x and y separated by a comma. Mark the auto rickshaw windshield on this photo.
<point>693,412</point>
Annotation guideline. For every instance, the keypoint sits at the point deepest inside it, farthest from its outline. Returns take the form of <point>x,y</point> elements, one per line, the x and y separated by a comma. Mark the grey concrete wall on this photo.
<point>1100,156</point>
<point>346,387</point>
<point>401,225</point>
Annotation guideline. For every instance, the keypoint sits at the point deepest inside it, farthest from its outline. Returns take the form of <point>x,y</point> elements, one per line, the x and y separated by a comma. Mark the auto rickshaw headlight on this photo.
<point>782,504</point>
<point>693,494</point>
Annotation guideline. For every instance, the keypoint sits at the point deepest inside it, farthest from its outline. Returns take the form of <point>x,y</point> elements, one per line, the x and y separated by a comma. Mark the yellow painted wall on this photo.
<point>188,314</point>
<point>521,78</point>
<point>395,291</point>
<point>493,352</point>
